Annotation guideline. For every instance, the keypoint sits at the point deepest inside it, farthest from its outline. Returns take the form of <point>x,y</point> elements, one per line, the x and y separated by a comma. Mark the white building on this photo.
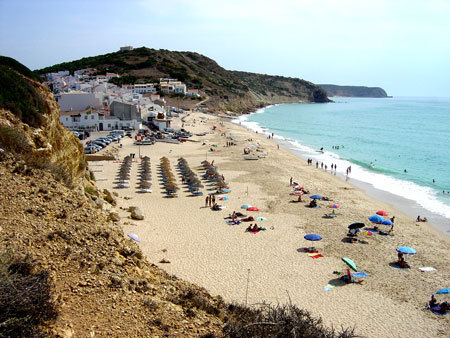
<point>148,88</point>
<point>192,92</point>
<point>79,100</point>
<point>124,48</point>
<point>94,120</point>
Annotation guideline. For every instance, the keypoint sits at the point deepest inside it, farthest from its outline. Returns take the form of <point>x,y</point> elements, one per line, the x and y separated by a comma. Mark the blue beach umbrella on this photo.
<point>406,250</point>
<point>315,197</point>
<point>134,237</point>
<point>260,219</point>
<point>245,206</point>
<point>313,237</point>
<point>387,222</point>
<point>443,291</point>
<point>376,219</point>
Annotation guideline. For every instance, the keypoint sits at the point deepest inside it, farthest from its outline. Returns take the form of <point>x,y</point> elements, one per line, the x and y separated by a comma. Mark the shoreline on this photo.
<point>206,251</point>
<point>410,207</point>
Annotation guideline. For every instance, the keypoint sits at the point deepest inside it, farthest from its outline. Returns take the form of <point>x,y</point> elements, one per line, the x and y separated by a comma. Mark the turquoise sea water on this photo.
<point>379,138</point>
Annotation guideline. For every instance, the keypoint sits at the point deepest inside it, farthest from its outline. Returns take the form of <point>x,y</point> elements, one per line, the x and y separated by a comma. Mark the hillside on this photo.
<point>66,268</point>
<point>353,91</point>
<point>227,90</point>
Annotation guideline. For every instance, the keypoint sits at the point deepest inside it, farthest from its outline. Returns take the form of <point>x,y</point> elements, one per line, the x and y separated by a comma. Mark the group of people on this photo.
<point>401,262</point>
<point>210,200</point>
<point>440,308</point>
<point>253,228</point>
<point>419,219</point>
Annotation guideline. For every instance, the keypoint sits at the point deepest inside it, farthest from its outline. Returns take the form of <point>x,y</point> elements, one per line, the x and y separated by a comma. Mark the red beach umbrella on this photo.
<point>297,193</point>
<point>253,209</point>
<point>382,213</point>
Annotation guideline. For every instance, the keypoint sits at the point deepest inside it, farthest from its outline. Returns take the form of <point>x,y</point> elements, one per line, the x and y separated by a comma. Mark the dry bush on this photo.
<point>13,140</point>
<point>25,298</point>
<point>278,321</point>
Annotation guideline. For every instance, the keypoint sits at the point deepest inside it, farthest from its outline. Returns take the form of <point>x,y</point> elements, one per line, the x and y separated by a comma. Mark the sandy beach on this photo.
<point>269,266</point>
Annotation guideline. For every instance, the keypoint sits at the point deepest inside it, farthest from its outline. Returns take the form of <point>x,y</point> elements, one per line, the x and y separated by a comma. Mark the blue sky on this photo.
<point>399,45</point>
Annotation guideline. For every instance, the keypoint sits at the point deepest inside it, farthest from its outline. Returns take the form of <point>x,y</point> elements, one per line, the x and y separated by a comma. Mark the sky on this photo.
<point>399,45</point>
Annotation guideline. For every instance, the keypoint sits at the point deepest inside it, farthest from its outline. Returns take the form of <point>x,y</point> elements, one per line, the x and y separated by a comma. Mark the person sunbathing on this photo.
<point>215,207</point>
<point>312,204</point>
<point>324,198</point>
<point>444,307</point>
<point>249,228</point>
<point>248,219</point>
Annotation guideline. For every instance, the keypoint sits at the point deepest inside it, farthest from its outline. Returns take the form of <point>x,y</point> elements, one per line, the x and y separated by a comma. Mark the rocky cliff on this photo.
<point>353,91</point>
<point>30,126</point>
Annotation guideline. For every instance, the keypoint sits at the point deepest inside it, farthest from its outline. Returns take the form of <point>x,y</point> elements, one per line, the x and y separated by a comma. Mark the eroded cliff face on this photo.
<point>50,144</point>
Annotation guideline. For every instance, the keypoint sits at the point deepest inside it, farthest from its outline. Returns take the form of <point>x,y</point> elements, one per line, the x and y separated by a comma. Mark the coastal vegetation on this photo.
<point>18,94</point>
<point>353,91</point>
<point>227,90</point>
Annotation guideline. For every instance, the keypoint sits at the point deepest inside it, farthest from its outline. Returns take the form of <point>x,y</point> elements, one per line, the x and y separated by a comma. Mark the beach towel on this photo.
<point>328,287</point>
<point>359,274</point>
<point>317,256</point>
<point>312,253</point>
<point>427,268</point>
<point>255,232</point>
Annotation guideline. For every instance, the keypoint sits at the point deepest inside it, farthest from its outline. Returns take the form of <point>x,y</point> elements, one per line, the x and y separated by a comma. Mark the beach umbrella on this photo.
<point>260,219</point>
<point>356,226</point>
<point>298,187</point>
<point>376,219</point>
<point>245,206</point>
<point>350,263</point>
<point>298,193</point>
<point>312,237</point>
<point>134,237</point>
<point>253,209</point>
<point>382,213</point>
<point>387,222</point>
<point>315,197</point>
<point>334,206</point>
<point>443,291</point>
<point>406,250</point>
<point>368,233</point>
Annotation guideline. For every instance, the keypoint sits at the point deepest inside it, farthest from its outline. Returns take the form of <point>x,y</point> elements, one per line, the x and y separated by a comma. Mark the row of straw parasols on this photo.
<point>190,178</point>
<point>145,175</point>
<point>123,176</point>
<point>168,178</point>
<point>212,175</point>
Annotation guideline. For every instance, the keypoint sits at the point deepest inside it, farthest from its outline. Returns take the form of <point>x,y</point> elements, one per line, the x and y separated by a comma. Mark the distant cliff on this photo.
<point>353,91</point>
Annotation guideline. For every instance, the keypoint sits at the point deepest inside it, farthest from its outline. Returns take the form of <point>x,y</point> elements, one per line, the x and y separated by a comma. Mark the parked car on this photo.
<point>100,143</point>
<point>104,140</point>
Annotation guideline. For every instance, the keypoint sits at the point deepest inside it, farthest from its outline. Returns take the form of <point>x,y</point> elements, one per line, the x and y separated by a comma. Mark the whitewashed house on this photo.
<point>79,100</point>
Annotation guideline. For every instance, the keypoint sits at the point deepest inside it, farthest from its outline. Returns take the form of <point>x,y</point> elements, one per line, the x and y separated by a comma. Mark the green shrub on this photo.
<point>20,97</point>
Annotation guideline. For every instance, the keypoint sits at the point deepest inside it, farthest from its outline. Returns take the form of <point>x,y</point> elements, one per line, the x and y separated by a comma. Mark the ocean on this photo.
<point>398,148</point>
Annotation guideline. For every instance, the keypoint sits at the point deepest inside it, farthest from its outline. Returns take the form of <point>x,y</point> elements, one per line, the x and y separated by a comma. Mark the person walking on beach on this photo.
<point>206,201</point>
<point>290,182</point>
<point>321,165</point>
<point>213,199</point>
<point>317,164</point>
<point>209,200</point>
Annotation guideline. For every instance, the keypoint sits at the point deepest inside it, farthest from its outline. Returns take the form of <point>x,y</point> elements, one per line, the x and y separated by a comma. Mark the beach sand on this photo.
<point>203,249</point>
